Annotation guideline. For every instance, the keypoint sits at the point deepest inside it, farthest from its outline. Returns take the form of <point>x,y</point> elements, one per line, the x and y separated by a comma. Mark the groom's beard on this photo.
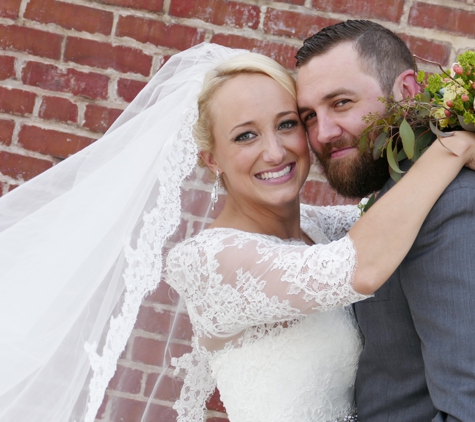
<point>353,177</point>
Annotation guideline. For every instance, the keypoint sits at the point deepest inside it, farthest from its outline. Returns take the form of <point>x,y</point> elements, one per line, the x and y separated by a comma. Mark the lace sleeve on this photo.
<point>335,221</point>
<point>233,280</point>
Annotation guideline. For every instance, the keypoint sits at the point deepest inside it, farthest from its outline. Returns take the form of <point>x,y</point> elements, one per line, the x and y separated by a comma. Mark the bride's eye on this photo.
<point>245,136</point>
<point>288,124</point>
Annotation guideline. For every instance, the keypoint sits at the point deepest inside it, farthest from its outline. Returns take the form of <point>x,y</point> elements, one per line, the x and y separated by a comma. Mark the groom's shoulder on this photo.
<point>464,181</point>
<point>463,184</point>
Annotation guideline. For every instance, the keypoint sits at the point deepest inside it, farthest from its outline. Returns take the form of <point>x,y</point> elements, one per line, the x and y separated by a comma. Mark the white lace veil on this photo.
<point>86,240</point>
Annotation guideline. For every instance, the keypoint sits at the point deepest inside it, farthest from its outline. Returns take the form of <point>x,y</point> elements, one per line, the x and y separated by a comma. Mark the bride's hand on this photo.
<point>462,144</point>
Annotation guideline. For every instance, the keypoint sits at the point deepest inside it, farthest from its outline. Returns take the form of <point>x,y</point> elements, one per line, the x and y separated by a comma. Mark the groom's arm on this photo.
<point>438,279</point>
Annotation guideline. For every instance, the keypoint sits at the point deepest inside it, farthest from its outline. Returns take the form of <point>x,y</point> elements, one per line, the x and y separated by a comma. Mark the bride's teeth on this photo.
<point>269,175</point>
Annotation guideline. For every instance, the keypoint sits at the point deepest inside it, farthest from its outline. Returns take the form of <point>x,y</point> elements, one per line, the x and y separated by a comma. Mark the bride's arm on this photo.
<point>237,280</point>
<point>384,235</point>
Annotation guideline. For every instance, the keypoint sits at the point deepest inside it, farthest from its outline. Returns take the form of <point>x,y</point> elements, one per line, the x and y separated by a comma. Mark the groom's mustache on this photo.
<point>345,141</point>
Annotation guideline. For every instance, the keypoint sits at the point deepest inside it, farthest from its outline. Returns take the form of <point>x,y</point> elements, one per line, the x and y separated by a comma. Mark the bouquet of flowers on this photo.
<point>446,102</point>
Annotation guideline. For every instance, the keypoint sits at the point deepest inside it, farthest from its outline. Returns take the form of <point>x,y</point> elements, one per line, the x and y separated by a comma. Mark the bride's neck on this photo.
<point>282,221</point>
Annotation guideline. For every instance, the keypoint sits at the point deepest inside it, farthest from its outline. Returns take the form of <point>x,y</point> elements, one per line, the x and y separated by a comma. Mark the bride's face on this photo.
<point>260,143</point>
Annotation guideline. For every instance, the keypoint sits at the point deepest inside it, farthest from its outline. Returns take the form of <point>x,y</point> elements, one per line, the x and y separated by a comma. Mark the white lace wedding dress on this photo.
<point>272,329</point>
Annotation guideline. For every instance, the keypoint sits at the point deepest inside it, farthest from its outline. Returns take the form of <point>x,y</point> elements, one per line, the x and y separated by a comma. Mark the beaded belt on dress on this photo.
<point>350,418</point>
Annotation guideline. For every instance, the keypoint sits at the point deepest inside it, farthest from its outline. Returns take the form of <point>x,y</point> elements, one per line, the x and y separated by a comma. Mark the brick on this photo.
<point>373,9</point>
<point>218,12</point>
<point>10,9</point>
<point>320,193</point>
<point>160,322</point>
<point>51,142</point>
<point>16,101</point>
<point>168,388</point>
<point>22,167</point>
<point>70,16</point>
<point>127,380</point>
<point>127,89</point>
<point>7,67</point>
<point>159,33</point>
<point>197,202</point>
<point>47,76</point>
<point>282,53</point>
<point>8,187</point>
<point>164,294</point>
<point>98,118</point>
<point>105,56</point>
<point>428,49</point>
<point>281,22</point>
<point>215,403</point>
<point>149,5</point>
<point>32,41</point>
<point>61,109</point>
<point>6,131</point>
<point>150,351</point>
<point>297,2</point>
<point>180,232</point>
<point>127,410</point>
<point>442,18</point>
<point>199,226</point>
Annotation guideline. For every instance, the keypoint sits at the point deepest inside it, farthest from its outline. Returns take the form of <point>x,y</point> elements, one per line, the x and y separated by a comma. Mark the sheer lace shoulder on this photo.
<point>233,279</point>
<point>239,287</point>
<point>334,221</point>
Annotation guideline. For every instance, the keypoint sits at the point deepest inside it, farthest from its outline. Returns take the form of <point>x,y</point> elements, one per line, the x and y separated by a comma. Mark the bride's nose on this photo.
<point>273,149</point>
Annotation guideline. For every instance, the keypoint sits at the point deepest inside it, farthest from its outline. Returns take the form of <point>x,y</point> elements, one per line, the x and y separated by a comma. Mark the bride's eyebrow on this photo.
<point>284,113</point>
<point>241,125</point>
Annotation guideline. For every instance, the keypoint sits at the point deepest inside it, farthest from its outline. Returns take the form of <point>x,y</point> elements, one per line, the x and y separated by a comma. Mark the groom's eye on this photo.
<point>308,116</point>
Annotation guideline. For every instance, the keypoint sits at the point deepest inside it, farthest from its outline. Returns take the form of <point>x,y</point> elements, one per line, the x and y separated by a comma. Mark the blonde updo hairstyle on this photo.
<point>246,63</point>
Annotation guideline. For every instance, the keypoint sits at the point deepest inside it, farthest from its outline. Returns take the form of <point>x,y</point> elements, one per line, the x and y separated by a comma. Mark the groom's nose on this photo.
<point>326,131</point>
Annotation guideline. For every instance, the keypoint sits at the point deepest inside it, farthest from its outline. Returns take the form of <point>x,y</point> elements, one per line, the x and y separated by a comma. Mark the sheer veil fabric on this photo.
<point>83,244</point>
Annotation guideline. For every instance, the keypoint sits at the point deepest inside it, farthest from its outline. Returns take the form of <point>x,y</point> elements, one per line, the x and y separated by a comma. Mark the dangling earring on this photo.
<point>215,191</point>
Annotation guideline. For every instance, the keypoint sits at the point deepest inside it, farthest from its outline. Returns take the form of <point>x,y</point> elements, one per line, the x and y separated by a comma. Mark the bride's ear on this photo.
<point>209,160</point>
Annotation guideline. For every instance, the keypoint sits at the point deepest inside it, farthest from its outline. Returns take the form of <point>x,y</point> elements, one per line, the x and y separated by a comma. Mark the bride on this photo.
<point>266,286</point>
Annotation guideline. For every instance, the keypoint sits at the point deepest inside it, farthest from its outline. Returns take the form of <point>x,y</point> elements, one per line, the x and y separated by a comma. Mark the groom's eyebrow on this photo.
<point>330,96</point>
<point>337,92</point>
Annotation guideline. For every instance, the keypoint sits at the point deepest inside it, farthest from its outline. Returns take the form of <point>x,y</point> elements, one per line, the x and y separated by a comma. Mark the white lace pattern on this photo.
<point>241,289</point>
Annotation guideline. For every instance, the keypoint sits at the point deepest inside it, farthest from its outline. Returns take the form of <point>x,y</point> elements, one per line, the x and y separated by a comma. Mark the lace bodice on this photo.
<point>244,289</point>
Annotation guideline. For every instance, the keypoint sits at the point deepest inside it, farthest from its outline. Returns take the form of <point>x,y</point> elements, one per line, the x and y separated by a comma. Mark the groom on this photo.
<point>418,361</point>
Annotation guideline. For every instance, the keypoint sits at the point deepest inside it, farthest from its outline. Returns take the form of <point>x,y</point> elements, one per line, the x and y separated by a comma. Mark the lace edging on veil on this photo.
<point>145,262</point>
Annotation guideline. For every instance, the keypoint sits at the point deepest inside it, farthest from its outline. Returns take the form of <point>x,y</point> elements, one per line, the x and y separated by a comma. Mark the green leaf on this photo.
<point>395,176</point>
<point>391,159</point>
<point>421,76</point>
<point>438,132</point>
<point>401,156</point>
<point>425,96</point>
<point>370,202</point>
<point>379,144</point>
<point>421,142</point>
<point>407,136</point>
<point>363,142</point>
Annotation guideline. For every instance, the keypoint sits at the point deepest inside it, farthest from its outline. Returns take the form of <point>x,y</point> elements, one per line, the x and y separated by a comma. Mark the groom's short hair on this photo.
<point>382,53</point>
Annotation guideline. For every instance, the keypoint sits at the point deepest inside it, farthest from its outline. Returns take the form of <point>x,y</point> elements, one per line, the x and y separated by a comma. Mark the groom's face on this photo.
<point>334,92</point>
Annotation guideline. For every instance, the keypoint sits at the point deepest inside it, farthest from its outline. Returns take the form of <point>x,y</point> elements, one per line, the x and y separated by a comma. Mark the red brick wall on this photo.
<point>69,67</point>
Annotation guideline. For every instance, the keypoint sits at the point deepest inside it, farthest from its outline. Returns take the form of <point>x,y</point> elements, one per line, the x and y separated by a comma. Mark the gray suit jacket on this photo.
<point>418,361</point>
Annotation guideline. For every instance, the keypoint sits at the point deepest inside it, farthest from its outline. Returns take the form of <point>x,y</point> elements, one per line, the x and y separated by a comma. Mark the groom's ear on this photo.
<point>406,85</point>
<point>209,160</point>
